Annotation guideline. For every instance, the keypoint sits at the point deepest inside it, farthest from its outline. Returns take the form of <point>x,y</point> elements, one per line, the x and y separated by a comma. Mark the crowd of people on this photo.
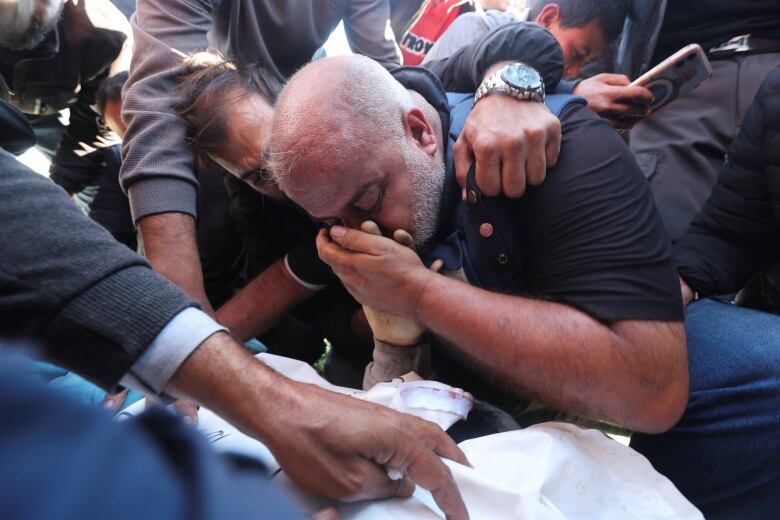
<point>478,194</point>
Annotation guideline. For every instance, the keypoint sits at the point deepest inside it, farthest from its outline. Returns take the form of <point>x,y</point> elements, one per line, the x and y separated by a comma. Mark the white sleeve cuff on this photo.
<point>172,346</point>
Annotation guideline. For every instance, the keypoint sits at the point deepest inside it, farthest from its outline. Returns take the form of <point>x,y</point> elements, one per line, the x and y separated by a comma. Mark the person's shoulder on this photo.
<point>577,114</point>
<point>495,18</point>
<point>771,84</point>
<point>594,159</point>
<point>586,134</point>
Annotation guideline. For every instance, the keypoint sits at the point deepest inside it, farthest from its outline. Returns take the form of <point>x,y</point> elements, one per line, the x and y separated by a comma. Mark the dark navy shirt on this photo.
<point>589,236</point>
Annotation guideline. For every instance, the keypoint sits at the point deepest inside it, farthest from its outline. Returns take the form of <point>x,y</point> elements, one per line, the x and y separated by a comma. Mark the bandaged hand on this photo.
<point>386,327</point>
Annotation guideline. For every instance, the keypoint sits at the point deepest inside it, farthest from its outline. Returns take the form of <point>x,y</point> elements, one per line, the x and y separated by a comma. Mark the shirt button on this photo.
<point>471,197</point>
<point>503,259</point>
<point>486,230</point>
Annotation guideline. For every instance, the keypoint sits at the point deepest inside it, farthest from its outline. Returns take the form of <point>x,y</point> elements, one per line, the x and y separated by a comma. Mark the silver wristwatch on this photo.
<point>517,80</point>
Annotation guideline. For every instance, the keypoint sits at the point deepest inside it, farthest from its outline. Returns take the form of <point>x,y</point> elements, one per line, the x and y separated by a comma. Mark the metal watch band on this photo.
<point>496,85</point>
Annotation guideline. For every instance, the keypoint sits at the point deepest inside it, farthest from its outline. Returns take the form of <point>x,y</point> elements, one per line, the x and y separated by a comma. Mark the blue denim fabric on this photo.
<point>63,460</point>
<point>724,454</point>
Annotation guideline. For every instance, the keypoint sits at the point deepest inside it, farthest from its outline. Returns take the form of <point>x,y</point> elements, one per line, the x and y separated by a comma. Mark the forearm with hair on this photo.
<point>223,377</point>
<point>262,303</point>
<point>169,243</point>
<point>632,373</point>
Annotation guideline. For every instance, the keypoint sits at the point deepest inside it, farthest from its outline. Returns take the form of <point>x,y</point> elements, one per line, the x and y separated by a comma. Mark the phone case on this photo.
<point>676,75</point>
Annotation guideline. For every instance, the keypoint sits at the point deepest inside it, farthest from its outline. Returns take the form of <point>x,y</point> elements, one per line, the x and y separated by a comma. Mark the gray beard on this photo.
<point>427,186</point>
<point>36,32</point>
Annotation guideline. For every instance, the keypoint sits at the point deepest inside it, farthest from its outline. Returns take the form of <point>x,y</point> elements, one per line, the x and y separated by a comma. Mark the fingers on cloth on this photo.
<point>427,470</point>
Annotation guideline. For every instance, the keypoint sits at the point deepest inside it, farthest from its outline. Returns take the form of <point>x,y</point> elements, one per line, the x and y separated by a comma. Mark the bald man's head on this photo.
<point>333,110</point>
<point>350,143</point>
<point>25,23</point>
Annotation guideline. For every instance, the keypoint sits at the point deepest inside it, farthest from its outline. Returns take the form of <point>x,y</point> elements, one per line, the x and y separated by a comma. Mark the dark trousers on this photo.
<point>682,148</point>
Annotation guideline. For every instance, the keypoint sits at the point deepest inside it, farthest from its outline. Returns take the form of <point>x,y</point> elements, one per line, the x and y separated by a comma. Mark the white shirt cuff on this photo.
<point>173,345</point>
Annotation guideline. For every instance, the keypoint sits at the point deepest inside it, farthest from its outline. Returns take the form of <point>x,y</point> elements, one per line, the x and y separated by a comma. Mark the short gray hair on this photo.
<point>356,106</point>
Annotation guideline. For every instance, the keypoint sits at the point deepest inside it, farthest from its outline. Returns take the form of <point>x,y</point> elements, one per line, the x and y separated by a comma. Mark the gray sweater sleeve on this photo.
<point>157,169</point>
<point>95,305</point>
<point>467,28</point>
<point>158,166</point>
<point>365,24</point>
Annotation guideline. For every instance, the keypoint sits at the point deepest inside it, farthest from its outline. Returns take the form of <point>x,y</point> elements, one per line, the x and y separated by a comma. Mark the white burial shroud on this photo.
<point>551,470</point>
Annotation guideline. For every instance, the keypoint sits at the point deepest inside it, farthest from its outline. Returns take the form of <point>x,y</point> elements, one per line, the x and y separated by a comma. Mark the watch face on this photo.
<point>521,77</point>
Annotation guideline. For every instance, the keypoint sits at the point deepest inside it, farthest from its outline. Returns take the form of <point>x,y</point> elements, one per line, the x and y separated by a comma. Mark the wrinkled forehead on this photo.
<point>325,190</point>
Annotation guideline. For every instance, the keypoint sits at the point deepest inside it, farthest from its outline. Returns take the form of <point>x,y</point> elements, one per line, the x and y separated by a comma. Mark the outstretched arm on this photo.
<point>100,310</point>
<point>158,166</point>
<point>329,444</point>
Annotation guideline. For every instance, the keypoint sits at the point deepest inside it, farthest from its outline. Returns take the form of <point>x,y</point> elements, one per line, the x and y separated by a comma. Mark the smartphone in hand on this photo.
<point>674,77</point>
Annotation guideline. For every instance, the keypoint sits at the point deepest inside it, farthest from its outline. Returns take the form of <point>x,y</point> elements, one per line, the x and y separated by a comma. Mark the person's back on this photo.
<point>733,243</point>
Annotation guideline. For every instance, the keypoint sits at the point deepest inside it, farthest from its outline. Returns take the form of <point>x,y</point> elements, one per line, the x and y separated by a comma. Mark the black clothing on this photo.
<point>17,135</point>
<point>110,207</point>
<point>96,305</point>
<point>588,237</point>
<point>220,247</point>
<point>648,37</point>
<point>527,42</point>
<point>712,22</point>
<point>593,239</point>
<point>64,71</point>
<point>737,232</point>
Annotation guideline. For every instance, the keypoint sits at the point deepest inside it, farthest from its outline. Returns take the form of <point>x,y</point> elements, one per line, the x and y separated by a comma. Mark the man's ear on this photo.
<point>550,14</point>
<point>418,127</point>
